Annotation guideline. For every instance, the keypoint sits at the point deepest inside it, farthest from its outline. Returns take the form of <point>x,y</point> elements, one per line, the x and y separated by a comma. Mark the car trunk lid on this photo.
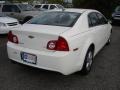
<point>37,36</point>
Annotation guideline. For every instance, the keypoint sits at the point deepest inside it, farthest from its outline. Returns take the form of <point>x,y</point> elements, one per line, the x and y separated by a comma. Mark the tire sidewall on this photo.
<point>84,70</point>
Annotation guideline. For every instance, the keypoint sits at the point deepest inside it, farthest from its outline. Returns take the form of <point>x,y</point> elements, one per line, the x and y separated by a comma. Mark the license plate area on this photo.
<point>29,58</point>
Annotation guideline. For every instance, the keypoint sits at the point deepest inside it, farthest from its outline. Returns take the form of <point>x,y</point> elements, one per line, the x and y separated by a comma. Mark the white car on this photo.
<point>48,6</point>
<point>62,41</point>
<point>7,23</point>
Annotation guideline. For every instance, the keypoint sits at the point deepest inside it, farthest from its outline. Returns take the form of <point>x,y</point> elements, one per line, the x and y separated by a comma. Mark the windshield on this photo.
<point>118,9</point>
<point>67,19</point>
<point>2,15</point>
<point>26,7</point>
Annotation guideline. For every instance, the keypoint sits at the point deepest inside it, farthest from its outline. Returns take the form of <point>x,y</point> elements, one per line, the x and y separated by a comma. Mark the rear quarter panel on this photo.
<point>80,38</point>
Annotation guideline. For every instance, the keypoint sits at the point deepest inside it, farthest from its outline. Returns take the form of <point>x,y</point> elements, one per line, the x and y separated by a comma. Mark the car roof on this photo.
<point>74,10</point>
<point>47,4</point>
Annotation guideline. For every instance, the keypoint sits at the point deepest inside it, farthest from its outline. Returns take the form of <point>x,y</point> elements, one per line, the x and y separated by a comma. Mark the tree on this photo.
<point>105,6</point>
<point>56,1</point>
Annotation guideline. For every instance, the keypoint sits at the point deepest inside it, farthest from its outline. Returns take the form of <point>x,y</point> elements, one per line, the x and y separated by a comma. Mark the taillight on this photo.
<point>58,45</point>
<point>12,38</point>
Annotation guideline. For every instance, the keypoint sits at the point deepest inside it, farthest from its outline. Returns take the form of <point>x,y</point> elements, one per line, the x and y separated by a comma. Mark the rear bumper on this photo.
<point>63,62</point>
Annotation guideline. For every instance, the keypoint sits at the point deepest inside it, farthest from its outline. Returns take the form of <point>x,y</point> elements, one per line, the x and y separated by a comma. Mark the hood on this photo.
<point>7,20</point>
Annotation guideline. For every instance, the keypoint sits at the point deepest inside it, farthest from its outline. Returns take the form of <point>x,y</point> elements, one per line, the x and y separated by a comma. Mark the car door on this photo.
<point>11,10</point>
<point>97,31</point>
<point>106,28</point>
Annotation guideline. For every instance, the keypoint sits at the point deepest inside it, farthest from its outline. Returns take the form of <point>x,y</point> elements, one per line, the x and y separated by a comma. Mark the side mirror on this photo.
<point>109,21</point>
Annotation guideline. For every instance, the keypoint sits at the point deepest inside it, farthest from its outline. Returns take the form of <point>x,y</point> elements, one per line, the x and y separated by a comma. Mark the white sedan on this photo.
<point>7,23</point>
<point>62,41</point>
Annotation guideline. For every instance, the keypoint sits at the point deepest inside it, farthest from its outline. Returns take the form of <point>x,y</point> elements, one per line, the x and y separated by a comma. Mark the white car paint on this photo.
<point>79,38</point>
<point>7,21</point>
<point>41,6</point>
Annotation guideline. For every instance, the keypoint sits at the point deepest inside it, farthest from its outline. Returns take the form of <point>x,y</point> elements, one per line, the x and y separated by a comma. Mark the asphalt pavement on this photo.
<point>105,74</point>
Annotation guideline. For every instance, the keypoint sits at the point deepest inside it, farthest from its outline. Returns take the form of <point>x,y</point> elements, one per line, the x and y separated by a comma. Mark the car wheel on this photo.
<point>88,62</point>
<point>109,41</point>
<point>13,62</point>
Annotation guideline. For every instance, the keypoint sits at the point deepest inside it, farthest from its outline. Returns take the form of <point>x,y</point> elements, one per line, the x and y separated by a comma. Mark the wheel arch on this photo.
<point>88,44</point>
<point>92,46</point>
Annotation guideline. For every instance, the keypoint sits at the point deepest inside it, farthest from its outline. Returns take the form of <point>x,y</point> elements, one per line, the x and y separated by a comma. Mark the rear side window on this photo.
<point>52,7</point>
<point>37,6</point>
<point>90,23</point>
<point>10,8</point>
<point>45,6</point>
<point>93,20</point>
<point>102,19</point>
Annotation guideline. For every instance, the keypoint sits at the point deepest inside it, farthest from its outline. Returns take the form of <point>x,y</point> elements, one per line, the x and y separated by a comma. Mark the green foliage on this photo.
<point>105,6</point>
<point>56,1</point>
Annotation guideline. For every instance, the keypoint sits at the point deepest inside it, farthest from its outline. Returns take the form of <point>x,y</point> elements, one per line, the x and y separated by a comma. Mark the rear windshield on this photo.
<point>67,19</point>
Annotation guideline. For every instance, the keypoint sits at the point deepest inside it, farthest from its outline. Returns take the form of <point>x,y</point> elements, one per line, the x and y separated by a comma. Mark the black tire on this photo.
<point>113,22</point>
<point>27,19</point>
<point>88,62</point>
<point>109,40</point>
<point>13,62</point>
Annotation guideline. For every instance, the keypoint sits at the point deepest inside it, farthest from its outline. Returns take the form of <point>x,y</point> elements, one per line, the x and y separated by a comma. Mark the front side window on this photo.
<point>10,8</point>
<point>66,19</point>
<point>93,20</point>
<point>45,6</point>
